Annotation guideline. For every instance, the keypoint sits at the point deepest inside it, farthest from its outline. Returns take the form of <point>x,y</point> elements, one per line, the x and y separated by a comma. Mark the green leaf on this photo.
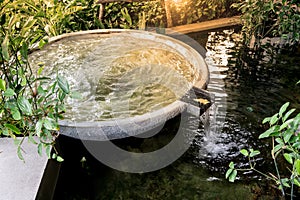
<point>16,114</point>
<point>24,50</point>
<point>278,147</point>
<point>19,153</point>
<point>279,140</point>
<point>40,148</point>
<point>28,25</point>
<point>296,145</point>
<point>24,81</point>
<point>297,166</point>
<point>297,182</point>
<point>61,108</point>
<point>283,108</point>
<point>270,131</point>
<point>285,124</point>
<point>231,165</point>
<point>59,159</point>
<point>13,128</point>
<point>267,119</point>
<point>50,124</point>
<point>63,84</point>
<point>48,151</point>
<point>296,122</point>
<point>2,85</point>
<point>267,133</point>
<point>285,182</point>
<point>232,176</point>
<point>254,153</point>
<point>274,119</point>
<point>40,70</point>
<point>13,20</point>
<point>126,15</point>
<point>286,116</point>
<point>61,96</point>
<point>54,156</point>
<point>5,132</point>
<point>229,171</point>
<point>41,91</point>
<point>244,152</point>
<point>288,157</point>
<point>298,82</point>
<point>9,92</point>
<point>42,43</point>
<point>24,105</point>
<point>4,47</point>
<point>38,127</point>
<point>53,87</point>
<point>287,136</point>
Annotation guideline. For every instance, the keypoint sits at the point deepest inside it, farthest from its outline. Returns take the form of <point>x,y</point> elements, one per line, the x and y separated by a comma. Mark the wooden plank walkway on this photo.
<point>205,26</point>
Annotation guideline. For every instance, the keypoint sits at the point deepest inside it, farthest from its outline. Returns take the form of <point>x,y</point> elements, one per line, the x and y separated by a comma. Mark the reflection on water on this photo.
<point>217,58</point>
<point>247,88</point>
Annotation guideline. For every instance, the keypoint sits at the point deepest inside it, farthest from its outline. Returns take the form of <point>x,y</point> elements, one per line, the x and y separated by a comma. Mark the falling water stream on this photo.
<point>247,87</point>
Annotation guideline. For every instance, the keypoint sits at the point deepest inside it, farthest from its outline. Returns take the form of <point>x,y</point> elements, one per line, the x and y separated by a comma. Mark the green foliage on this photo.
<point>30,105</point>
<point>231,172</point>
<point>270,18</point>
<point>133,15</point>
<point>49,16</point>
<point>85,18</point>
<point>288,20</point>
<point>57,17</point>
<point>152,13</point>
<point>191,11</point>
<point>284,132</point>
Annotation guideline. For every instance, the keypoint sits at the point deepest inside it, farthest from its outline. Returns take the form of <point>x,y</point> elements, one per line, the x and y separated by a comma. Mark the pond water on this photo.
<point>248,86</point>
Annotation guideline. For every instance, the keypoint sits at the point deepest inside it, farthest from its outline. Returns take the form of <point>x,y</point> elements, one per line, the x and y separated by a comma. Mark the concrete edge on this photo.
<point>20,180</point>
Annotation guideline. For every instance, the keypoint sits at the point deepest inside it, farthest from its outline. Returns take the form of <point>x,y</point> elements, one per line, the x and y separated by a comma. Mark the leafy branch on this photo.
<point>30,104</point>
<point>284,132</point>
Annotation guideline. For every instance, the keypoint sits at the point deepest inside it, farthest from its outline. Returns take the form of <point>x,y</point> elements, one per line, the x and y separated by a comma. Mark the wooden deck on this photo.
<point>205,26</point>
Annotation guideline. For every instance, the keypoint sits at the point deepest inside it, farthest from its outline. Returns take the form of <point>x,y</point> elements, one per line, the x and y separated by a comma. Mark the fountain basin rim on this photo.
<point>125,127</point>
<point>121,128</point>
<point>138,118</point>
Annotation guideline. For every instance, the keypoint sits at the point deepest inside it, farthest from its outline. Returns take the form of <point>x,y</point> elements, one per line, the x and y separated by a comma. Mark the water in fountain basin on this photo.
<point>116,75</point>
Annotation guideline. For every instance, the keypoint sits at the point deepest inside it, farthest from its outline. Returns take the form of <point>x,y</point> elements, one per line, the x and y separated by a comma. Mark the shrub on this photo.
<point>284,132</point>
<point>270,18</point>
<point>30,105</point>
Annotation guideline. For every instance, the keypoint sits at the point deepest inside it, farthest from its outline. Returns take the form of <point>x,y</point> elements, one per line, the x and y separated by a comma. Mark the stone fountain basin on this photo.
<point>135,125</point>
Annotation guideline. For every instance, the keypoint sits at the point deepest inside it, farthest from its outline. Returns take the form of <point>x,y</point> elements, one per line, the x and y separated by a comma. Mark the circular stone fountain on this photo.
<point>130,81</point>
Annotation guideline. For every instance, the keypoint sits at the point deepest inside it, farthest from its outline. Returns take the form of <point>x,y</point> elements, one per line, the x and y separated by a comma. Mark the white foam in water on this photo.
<point>117,76</point>
<point>217,60</point>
